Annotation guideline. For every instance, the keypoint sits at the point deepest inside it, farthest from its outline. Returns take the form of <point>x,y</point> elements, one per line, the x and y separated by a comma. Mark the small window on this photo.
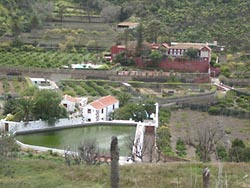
<point>113,106</point>
<point>89,120</point>
<point>89,111</point>
<point>102,111</point>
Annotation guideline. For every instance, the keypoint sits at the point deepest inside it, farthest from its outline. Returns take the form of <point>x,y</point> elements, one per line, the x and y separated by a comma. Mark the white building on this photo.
<point>71,103</point>
<point>43,83</point>
<point>179,50</point>
<point>100,109</point>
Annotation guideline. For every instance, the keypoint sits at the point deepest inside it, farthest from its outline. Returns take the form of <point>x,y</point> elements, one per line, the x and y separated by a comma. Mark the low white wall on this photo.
<point>34,125</point>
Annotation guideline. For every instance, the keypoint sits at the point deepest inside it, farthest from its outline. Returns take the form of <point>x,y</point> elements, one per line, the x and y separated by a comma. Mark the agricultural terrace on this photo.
<point>90,88</point>
<point>67,35</point>
<point>102,88</point>
<point>12,85</point>
<point>161,90</point>
<point>44,59</point>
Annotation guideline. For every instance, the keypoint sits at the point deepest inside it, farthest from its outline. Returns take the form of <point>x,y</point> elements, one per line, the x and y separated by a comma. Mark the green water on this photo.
<point>71,138</point>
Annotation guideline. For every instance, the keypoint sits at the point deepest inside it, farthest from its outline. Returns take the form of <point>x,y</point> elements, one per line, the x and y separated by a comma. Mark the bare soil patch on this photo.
<point>186,123</point>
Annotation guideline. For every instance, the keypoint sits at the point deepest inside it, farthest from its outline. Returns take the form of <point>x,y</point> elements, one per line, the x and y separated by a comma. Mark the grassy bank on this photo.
<point>39,172</point>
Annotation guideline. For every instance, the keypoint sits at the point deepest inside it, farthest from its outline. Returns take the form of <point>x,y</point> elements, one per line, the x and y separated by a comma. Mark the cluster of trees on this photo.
<point>25,15</point>
<point>238,152</point>
<point>34,105</point>
<point>129,110</point>
<point>210,143</point>
<point>177,21</point>
<point>233,104</point>
<point>166,21</point>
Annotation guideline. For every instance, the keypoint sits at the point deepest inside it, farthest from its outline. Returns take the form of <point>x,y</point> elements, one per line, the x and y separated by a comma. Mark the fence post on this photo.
<point>206,177</point>
<point>114,152</point>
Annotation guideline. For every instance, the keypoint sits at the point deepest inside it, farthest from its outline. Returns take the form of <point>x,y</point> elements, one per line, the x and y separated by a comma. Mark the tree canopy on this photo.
<point>45,105</point>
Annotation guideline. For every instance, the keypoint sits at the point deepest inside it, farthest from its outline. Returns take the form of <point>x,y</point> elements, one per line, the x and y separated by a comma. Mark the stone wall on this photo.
<point>166,64</point>
<point>58,74</point>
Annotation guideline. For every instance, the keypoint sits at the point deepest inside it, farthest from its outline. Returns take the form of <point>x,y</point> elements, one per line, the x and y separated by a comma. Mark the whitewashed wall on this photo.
<point>34,125</point>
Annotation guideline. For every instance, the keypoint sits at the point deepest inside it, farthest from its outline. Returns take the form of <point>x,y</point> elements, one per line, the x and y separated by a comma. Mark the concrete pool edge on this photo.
<point>52,128</point>
<point>122,159</point>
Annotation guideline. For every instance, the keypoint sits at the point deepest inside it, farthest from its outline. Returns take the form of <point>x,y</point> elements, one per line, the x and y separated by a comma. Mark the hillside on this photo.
<point>44,170</point>
<point>61,23</point>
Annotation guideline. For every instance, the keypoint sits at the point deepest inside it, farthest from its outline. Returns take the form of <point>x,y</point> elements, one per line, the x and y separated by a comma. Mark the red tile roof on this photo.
<point>165,45</point>
<point>104,102</point>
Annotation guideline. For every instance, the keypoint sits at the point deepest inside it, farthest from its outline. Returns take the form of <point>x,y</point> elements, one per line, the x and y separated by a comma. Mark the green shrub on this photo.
<point>214,110</point>
<point>222,153</point>
<point>238,143</point>
<point>164,140</point>
<point>225,71</point>
<point>181,147</point>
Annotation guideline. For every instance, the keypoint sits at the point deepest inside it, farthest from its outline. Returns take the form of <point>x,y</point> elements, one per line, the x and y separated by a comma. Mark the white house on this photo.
<point>100,109</point>
<point>179,49</point>
<point>71,103</point>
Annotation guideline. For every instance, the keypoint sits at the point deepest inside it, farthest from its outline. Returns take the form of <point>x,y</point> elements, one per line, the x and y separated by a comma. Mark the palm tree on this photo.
<point>124,98</point>
<point>24,109</point>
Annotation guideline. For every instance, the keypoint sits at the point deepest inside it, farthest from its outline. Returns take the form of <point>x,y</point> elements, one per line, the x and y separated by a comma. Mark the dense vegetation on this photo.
<point>232,104</point>
<point>90,88</point>
<point>34,105</point>
<point>30,57</point>
<point>225,21</point>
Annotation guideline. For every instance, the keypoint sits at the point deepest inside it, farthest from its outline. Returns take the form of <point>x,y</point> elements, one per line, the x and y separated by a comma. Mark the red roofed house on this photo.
<point>179,49</point>
<point>100,109</point>
<point>71,103</point>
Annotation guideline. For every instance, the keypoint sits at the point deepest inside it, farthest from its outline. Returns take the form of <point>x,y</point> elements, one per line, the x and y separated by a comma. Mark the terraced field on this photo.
<point>75,33</point>
<point>90,88</point>
<point>14,85</point>
<point>43,59</point>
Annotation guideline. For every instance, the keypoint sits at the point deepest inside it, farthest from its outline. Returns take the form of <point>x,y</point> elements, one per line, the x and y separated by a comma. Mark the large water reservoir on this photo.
<point>72,137</point>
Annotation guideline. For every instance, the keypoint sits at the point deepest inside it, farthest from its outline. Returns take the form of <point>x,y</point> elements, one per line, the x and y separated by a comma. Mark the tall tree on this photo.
<point>47,106</point>
<point>155,57</point>
<point>111,13</point>
<point>86,5</point>
<point>10,106</point>
<point>124,98</point>
<point>139,37</point>
<point>42,10</point>
<point>208,138</point>
<point>61,11</point>
<point>153,30</point>
<point>16,27</point>
<point>24,109</point>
